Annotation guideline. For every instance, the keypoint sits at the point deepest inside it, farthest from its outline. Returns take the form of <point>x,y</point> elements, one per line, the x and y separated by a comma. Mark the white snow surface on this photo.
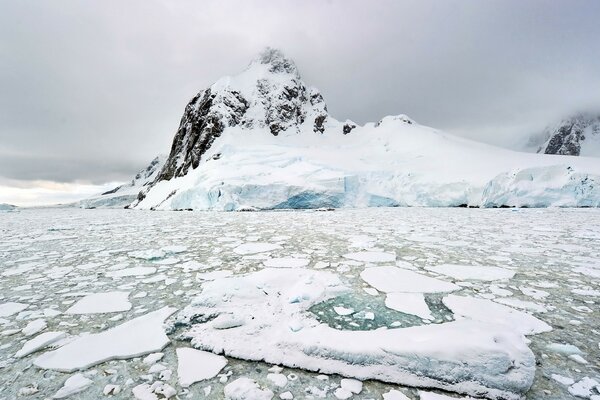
<point>474,272</point>
<point>197,365</point>
<point>394,279</point>
<point>10,308</point>
<point>39,342</point>
<point>409,303</point>
<point>139,336</point>
<point>98,303</point>
<point>466,356</point>
<point>488,311</point>
<point>73,385</point>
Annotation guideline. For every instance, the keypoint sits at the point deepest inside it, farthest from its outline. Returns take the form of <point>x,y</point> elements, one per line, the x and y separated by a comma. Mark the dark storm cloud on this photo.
<point>93,90</point>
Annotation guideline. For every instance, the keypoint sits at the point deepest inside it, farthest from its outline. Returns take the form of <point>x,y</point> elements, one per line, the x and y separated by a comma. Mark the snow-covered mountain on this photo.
<point>573,136</point>
<point>264,139</point>
<point>4,207</point>
<point>123,195</point>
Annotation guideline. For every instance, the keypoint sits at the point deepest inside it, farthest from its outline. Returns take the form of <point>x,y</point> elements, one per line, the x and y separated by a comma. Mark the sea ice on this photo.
<point>133,271</point>
<point>34,327</point>
<point>74,384</point>
<point>371,256</point>
<point>133,338</point>
<point>409,303</point>
<point>488,311</point>
<point>472,272</point>
<point>255,247</point>
<point>464,356</point>
<point>10,308</point>
<point>286,262</point>
<point>98,303</point>
<point>197,365</point>
<point>245,389</point>
<point>394,279</point>
<point>39,342</point>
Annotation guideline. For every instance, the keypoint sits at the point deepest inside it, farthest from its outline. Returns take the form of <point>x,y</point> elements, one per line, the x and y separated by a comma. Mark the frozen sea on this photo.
<point>389,303</point>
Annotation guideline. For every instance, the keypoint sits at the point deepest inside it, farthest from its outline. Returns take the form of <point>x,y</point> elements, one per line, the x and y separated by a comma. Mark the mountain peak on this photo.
<point>576,135</point>
<point>277,61</point>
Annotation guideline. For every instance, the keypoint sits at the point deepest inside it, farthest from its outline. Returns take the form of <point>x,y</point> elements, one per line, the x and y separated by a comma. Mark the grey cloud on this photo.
<point>92,91</point>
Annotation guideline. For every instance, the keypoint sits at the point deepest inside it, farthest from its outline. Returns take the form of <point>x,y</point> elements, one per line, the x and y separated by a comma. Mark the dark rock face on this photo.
<point>200,125</point>
<point>569,135</point>
<point>347,128</point>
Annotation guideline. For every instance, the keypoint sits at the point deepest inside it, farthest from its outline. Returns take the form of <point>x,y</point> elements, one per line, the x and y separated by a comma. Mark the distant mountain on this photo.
<point>124,195</point>
<point>7,207</point>
<point>578,135</point>
<point>263,139</point>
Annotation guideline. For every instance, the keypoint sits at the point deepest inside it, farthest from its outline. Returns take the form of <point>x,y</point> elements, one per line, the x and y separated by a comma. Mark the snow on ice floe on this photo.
<point>409,303</point>
<point>522,304</point>
<point>34,327</point>
<point>394,279</point>
<point>10,308</point>
<point>488,311</point>
<point>466,356</point>
<point>73,385</point>
<point>133,338</point>
<point>39,342</point>
<point>255,247</point>
<point>197,365</point>
<point>245,388</point>
<point>98,303</point>
<point>371,256</point>
<point>133,271</point>
<point>286,262</point>
<point>472,272</point>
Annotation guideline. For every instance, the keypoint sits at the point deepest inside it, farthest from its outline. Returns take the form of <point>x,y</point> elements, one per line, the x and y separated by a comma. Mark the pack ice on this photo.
<point>269,310</point>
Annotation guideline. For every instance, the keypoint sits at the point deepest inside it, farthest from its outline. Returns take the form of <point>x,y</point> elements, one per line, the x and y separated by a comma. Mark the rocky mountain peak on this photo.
<point>277,61</point>
<point>269,95</point>
<point>568,136</point>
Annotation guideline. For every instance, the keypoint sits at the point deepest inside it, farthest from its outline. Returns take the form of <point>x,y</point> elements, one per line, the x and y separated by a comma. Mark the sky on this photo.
<point>91,92</point>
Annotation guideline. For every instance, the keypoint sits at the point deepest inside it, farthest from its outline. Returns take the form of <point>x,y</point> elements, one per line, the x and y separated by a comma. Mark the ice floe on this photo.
<point>286,262</point>
<point>488,311</point>
<point>465,356</point>
<point>39,342</point>
<point>409,303</point>
<point>197,365</point>
<point>394,279</point>
<point>472,272</point>
<point>98,303</point>
<point>133,338</point>
<point>10,308</point>
<point>371,256</point>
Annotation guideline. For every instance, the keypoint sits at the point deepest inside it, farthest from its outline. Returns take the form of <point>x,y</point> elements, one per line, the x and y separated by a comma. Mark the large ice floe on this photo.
<point>269,321</point>
<point>133,338</point>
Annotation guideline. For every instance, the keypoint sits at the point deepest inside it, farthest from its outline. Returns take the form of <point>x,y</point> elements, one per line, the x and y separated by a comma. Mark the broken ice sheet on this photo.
<point>133,338</point>
<point>272,300</point>
<point>101,303</point>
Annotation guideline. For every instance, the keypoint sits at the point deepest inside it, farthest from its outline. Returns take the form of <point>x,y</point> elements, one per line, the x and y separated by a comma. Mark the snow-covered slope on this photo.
<point>264,139</point>
<point>574,136</point>
<point>123,195</point>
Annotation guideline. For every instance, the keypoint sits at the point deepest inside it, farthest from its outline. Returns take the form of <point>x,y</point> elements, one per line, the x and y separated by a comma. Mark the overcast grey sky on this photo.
<point>91,91</point>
